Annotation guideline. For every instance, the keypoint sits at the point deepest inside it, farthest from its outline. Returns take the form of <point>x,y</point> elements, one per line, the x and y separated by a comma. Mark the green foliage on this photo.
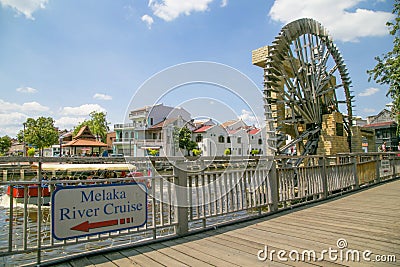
<point>153,152</point>
<point>98,125</point>
<point>387,69</point>
<point>5,144</point>
<point>196,152</point>
<point>184,137</point>
<point>40,133</point>
<point>31,152</point>
<point>255,151</point>
<point>227,152</point>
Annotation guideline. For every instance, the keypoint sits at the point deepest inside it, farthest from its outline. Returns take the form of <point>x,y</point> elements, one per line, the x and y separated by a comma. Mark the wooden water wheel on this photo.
<point>305,79</point>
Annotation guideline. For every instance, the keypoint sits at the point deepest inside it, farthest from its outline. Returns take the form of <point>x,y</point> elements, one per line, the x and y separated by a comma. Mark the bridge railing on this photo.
<point>184,196</point>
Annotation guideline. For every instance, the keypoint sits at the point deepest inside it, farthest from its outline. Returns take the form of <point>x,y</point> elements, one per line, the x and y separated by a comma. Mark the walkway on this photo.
<point>368,220</point>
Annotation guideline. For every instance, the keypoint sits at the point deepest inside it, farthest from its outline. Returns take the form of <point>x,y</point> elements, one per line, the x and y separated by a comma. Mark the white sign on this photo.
<point>86,210</point>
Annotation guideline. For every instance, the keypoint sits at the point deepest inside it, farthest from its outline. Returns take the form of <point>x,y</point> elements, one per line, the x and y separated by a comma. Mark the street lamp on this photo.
<point>24,140</point>
<point>61,138</point>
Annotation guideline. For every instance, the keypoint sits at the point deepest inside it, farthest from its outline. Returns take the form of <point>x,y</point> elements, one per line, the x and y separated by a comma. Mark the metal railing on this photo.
<point>183,196</point>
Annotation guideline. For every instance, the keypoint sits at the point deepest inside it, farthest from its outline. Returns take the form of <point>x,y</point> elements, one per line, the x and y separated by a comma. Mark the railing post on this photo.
<point>180,175</point>
<point>356,178</point>
<point>322,163</point>
<point>378,174</point>
<point>39,213</point>
<point>273,187</point>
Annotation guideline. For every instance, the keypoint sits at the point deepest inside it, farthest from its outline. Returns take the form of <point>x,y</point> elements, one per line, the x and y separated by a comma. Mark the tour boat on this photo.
<point>76,170</point>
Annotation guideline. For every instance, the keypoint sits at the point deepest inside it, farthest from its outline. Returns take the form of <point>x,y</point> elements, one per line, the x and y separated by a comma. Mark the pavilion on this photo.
<point>84,143</point>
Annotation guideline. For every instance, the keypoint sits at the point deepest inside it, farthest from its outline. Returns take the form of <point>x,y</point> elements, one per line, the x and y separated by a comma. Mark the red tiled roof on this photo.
<point>254,131</point>
<point>162,124</point>
<point>380,124</point>
<point>203,129</point>
<point>85,142</point>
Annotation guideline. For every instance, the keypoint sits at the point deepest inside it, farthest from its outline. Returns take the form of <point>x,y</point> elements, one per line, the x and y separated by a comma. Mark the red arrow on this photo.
<point>86,226</point>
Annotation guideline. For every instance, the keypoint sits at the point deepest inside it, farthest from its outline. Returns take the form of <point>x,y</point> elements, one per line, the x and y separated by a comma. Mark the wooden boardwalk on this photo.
<point>367,220</point>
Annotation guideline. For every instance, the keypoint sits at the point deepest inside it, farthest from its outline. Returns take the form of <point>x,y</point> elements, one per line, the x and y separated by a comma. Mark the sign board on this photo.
<point>385,165</point>
<point>79,211</point>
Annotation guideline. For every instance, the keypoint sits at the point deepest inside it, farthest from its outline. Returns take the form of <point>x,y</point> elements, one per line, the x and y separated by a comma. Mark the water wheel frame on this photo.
<point>304,71</point>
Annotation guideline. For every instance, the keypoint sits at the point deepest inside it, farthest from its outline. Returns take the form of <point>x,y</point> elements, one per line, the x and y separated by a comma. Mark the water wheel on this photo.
<point>305,78</point>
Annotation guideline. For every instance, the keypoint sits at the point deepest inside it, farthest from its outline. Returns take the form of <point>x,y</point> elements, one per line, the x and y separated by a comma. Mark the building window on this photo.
<point>260,141</point>
<point>132,135</point>
<point>126,135</point>
<point>339,129</point>
<point>199,138</point>
<point>221,139</point>
<point>228,139</point>
<point>239,140</point>
<point>151,121</point>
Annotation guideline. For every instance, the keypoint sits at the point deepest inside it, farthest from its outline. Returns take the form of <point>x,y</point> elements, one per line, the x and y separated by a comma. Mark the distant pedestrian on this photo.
<point>384,149</point>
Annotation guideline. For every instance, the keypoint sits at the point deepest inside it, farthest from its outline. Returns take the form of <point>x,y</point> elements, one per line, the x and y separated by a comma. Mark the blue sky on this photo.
<point>67,58</point>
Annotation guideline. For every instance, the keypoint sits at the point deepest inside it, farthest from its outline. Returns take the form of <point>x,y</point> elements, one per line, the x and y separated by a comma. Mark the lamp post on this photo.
<point>24,143</point>
<point>61,146</point>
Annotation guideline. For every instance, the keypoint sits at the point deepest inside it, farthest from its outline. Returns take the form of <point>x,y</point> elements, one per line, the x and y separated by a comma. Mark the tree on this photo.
<point>387,69</point>
<point>40,133</point>
<point>184,136</point>
<point>5,144</point>
<point>98,125</point>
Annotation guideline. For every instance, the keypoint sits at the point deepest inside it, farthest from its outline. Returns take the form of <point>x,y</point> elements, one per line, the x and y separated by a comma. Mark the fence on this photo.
<point>183,196</point>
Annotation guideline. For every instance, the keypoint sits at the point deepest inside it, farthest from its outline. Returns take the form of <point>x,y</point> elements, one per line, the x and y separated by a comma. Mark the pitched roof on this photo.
<point>254,131</point>
<point>162,124</point>
<point>380,124</point>
<point>85,143</point>
<point>227,123</point>
<point>203,129</point>
<point>85,133</point>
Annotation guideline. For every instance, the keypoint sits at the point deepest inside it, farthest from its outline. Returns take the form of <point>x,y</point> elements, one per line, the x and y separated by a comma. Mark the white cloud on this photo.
<point>82,110</point>
<point>12,115</point>
<point>28,90</point>
<point>12,118</point>
<point>68,122</point>
<point>224,3</point>
<point>6,107</point>
<point>334,15</point>
<point>250,118</point>
<point>369,91</point>
<point>169,10</point>
<point>102,97</point>
<point>25,7</point>
<point>148,20</point>
<point>34,106</point>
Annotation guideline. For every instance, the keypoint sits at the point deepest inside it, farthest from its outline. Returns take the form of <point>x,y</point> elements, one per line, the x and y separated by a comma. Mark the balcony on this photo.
<point>123,126</point>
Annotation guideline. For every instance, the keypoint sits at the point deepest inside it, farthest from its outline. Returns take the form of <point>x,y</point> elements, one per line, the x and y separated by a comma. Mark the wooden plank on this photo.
<point>138,258</point>
<point>249,247</point>
<point>315,234</point>
<point>159,256</point>
<point>81,262</point>
<point>100,261</point>
<point>236,255</point>
<point>120,260</point>
<point>210,259</point>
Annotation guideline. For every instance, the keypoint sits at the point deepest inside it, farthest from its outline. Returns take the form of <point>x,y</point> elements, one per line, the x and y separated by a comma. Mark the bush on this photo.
<point>196,152</point>
<point>255,152</point>
<point>31,152</point>
<point>227,152</point>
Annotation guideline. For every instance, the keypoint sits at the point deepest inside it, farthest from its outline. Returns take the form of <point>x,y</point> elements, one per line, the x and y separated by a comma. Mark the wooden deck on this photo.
<point>367,220</point>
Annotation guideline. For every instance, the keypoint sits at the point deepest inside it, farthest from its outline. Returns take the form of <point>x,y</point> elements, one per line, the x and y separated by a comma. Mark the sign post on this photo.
<point>79,211</point>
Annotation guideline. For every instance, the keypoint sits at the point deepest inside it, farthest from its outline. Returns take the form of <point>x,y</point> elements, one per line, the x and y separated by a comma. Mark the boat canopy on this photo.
<point>87,167</point>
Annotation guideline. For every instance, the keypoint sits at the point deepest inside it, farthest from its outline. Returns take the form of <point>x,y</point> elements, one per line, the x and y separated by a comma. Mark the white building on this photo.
<point>146,131</point>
